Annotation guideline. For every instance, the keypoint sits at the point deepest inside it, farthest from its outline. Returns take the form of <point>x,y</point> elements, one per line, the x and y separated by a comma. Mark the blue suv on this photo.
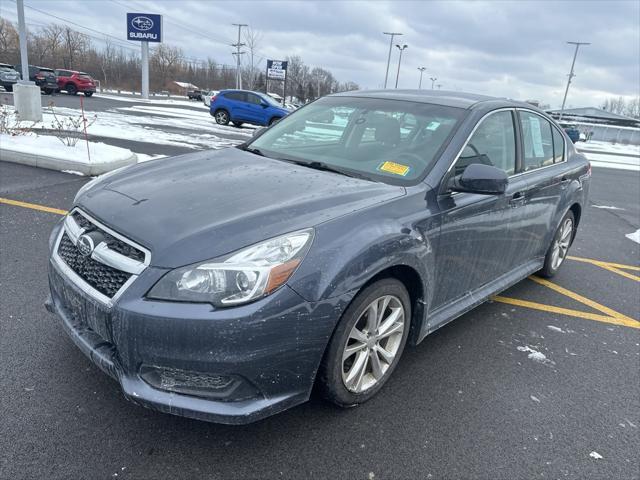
<point>241,106</point>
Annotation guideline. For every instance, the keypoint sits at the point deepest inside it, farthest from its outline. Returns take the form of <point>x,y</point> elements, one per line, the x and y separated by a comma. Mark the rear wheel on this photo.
<point>222,117</point>
<point>367,344</point>
<point>559,246</point>
<point>237,124</point>
<point>88,94</point>
<point>48,91</point>
<point>274,120</point>
<point>71,89</point>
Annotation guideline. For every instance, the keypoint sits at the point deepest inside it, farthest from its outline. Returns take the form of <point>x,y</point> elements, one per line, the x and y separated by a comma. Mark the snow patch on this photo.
<point>555,329</point>
<point>595,455</point>
<point>535,399</point>
<point>535,355</point>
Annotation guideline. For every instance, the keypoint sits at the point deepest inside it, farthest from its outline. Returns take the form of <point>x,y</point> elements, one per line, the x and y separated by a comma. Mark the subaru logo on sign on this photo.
<point>144,27</point>
<point>85,245</point>
<point>142,23</point>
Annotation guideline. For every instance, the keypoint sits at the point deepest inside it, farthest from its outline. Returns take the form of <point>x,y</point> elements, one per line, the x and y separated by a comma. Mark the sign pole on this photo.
<point>144,53</point>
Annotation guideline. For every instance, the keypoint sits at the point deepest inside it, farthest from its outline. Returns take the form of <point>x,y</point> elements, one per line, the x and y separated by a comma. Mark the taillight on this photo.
<point>39,76</point>
<point>213,99</point>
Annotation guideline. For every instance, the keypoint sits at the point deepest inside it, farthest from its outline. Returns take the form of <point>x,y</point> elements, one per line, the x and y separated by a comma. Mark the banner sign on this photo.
<point>276,70</point>
<point>144,27</point>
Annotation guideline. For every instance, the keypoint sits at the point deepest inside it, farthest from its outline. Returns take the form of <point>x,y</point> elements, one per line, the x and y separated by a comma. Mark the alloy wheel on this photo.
<point>373,344</point>
<point>561,244</point>
<point>221,118</point>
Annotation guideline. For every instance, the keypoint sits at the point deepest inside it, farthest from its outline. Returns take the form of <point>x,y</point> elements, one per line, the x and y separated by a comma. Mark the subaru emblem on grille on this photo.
<point>85,245</point>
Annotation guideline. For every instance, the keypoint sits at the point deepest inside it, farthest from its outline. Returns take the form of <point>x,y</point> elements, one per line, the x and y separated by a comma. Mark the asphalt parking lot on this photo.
<point>542,382</point>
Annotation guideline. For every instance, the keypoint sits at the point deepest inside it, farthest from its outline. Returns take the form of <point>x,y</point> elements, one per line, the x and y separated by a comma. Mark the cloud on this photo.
<point>509,48</point>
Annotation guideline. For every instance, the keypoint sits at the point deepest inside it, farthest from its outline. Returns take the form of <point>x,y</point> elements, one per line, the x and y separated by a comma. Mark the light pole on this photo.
<point>433,81</point>
<point>238,53</point>
<point>392,34</point>
<point>401,48</point>
<point>571,75</point>
<point>422,69</point>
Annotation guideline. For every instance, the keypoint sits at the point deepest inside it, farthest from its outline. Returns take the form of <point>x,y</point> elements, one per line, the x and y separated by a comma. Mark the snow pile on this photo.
<point>52,147</point>
<point>610,155</point>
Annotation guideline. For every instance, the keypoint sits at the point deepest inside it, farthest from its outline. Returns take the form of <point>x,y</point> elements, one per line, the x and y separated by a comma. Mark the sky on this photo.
<point>514,49</point>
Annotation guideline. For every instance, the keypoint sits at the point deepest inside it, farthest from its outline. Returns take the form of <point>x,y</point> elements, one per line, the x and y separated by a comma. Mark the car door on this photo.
<point>239,106</point>
<point>544,169</point>
<point>257,112</point>
<point>474,245</point>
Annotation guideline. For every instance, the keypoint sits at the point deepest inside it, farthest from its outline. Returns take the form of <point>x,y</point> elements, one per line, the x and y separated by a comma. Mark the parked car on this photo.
<point>573,133</point>
<point>8,76</point>
<point>43,77</point>
<point>311,255</point>
<point>73,82</point>
<point>206,98</point>
<point>195,95</point>
<point>242,106</point>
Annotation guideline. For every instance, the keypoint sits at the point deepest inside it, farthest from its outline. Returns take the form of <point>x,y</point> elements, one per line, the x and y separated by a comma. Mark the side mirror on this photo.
<point>479,178</point>
<point>258,131</point>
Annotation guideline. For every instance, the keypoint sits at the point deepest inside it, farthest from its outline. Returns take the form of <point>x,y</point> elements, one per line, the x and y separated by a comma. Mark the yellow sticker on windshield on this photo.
<point>395,168</point>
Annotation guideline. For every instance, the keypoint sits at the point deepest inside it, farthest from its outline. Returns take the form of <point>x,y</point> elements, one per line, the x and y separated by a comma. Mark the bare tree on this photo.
<point>251,72</point>
<point>74,45</point>
<point>8,41</point>
<point>164,62</point>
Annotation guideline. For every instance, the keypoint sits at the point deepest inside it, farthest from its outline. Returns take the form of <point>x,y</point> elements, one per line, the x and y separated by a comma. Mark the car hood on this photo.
<point>203,205</point>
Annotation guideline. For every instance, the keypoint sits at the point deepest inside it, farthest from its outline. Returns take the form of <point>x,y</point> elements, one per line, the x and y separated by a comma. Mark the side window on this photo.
<point>239,96</point>
<point>251,98</point>
<point>537,141</point>
<point>493,143</point>
<point>558,146</point>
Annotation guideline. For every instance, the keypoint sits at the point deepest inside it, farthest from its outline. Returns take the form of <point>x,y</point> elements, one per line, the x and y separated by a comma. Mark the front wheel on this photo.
<point>71,89</point>
<point>274,120</point>
<point>48,91</point>
<point>559,246</point>
<point>88,94</point>
<point>222,117</point>
<point>367,344</point>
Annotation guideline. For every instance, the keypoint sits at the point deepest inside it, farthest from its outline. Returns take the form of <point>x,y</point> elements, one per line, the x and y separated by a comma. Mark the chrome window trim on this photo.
<point>565,153</point>
<point>78,281</point>
<point>517,119</point>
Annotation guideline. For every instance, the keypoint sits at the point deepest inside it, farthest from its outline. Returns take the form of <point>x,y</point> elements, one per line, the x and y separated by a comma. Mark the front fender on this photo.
<point>344,257</point>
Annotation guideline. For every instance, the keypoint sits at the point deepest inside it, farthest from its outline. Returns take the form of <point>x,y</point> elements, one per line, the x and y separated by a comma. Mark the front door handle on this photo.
<point>517,199</point>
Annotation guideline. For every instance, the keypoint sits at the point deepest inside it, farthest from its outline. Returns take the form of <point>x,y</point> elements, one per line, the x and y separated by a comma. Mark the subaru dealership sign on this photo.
<point>146,27</point>
<point>276,70</point>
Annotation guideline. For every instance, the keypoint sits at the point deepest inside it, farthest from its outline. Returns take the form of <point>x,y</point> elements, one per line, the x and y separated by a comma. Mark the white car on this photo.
<point>206,98</point>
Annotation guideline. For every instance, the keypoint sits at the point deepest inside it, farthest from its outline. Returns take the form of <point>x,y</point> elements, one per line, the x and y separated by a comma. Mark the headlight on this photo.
<point>244,276</point>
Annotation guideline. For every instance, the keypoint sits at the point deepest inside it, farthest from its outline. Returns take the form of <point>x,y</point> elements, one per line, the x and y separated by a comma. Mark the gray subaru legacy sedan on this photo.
<point>225,285</point>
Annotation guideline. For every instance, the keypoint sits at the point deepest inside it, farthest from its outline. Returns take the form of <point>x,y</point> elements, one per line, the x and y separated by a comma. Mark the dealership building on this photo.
<point>600,125</point>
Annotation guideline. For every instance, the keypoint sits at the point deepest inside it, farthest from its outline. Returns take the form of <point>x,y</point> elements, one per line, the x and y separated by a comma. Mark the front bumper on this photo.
<point>274,345</point>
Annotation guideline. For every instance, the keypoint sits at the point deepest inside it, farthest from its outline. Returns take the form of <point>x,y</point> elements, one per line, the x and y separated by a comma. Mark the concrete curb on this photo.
<point>53,163</point>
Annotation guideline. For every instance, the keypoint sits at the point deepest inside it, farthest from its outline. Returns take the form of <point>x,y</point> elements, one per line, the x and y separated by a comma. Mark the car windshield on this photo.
<point>393,141</point>
<point>270,100</point>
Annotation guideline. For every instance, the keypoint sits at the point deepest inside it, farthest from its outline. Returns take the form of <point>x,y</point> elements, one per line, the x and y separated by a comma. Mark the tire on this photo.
<point>48,91</point>
<point>274,120</point>
<point>71,89</point>
<point>8,88</point>
<point>338,378</point>
<point>237,124</point>
<point>559,246</point>
<point>222,117</point>
<point>88,94</point>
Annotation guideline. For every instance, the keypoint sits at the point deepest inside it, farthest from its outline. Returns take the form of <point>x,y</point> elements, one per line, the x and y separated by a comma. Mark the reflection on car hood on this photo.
<point>202,205</point>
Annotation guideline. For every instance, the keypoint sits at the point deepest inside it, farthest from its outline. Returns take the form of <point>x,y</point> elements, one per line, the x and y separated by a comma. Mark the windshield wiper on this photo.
<point>255,151</point>
<point>324,167</point>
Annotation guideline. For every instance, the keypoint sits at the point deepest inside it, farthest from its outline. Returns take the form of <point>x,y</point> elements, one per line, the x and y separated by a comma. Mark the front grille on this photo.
<point>112,242</point>
<point>103,278</point>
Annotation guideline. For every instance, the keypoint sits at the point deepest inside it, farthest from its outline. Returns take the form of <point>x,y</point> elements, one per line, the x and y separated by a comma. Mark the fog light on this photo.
<point>198,384</point>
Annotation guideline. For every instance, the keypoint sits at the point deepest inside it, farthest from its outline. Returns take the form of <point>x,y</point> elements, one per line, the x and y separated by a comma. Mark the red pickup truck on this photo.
<point>73,82</point>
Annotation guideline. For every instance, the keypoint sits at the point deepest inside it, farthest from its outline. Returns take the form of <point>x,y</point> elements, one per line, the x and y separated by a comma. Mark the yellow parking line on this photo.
<point>628,275</point>
<point>579,298</point>
<point>625,321</point>
<point>32,206</point>
<point>601,263</point>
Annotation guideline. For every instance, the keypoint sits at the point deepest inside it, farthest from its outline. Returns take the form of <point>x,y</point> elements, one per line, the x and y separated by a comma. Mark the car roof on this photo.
<point>437,97</point>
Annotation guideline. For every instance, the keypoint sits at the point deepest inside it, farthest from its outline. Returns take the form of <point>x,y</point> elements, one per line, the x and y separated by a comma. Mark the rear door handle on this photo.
<point>517,199</point>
